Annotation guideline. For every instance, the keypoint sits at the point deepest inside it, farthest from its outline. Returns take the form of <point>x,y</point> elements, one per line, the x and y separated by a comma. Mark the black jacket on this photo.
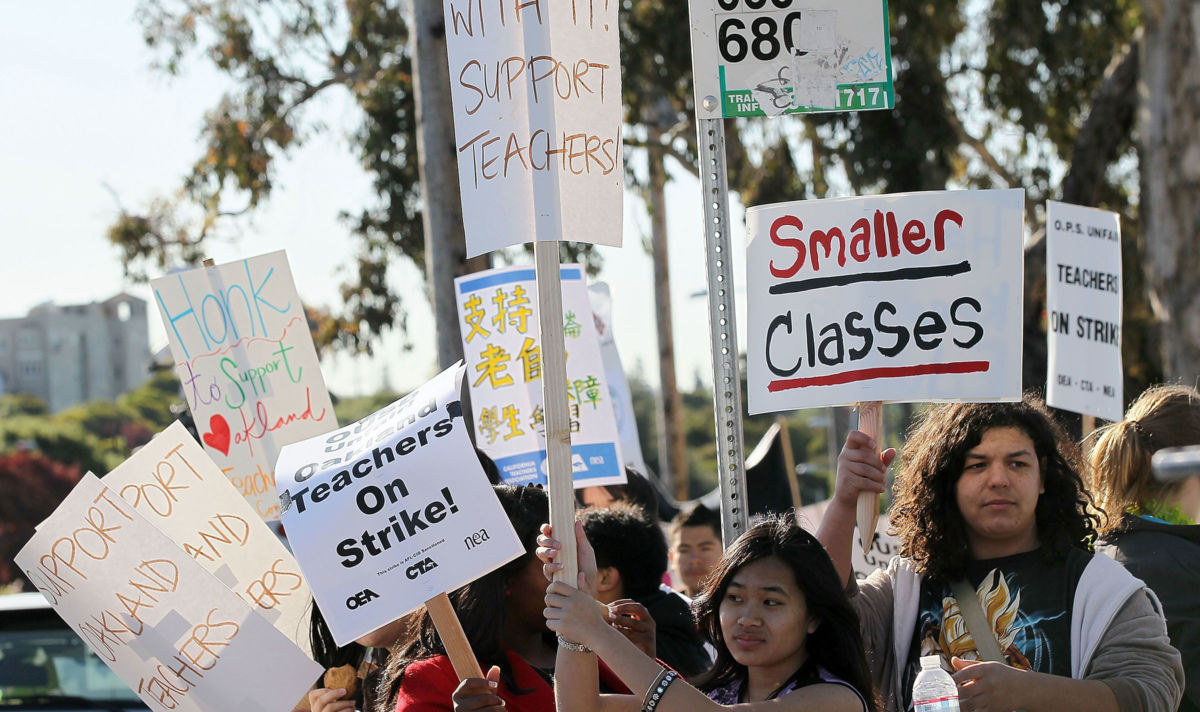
<point>1167,558</point>
<point>677,640</point>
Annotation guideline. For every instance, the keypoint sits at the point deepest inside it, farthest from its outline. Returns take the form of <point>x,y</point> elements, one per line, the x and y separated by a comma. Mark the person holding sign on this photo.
<point>501,613</point>
<point>1152,526</point>
<point>996,575</point>
<point>785,635</point>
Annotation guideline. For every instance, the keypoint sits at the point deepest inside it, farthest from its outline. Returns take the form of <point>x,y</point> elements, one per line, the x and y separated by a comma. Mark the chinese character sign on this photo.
<point>907,297</point>
<point>1083,310</point>
<point>245,357</point>
<point>536,88</point>
<point>171,630</point>
<point>498,318</point>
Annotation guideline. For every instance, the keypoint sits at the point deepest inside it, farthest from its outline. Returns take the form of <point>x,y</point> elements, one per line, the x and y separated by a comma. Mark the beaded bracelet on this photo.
<point>659,690</point>
<point>662,672</point>
<point>573,647</point>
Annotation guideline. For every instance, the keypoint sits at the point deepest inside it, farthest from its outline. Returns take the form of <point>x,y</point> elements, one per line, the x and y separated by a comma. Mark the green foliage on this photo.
<point>349,410</point>
<point>21,404</point>
<point>63,442</point>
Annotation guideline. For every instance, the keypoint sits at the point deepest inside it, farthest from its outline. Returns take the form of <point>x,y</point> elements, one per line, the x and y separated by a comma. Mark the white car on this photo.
<point>45,666</point>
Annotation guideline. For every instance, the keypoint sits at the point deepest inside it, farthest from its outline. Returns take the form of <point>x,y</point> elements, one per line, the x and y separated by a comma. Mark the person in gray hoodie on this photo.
<point>990,499</point>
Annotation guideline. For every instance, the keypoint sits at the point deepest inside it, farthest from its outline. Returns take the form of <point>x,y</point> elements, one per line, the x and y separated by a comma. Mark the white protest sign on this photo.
<point>498,311</point>
<point>614,373</point>
<point>908,297</point>
<point>772,57</point>
<point>174,633</point>
<point>536,88</point>
<point>175,485</point>
<point>245,357</point>
<point>1083,308</point>
<point>393,510</point>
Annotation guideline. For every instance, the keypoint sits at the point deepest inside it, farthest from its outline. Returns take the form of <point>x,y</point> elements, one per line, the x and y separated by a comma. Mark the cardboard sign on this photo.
<point>245,357</point>
<point>1083,311</point>
<point>759,58</point>
<point>174,484</point>
<point>883,547</point>
<point>393,510</point>
<point>614,373</point>
<point>536,88</point>
<point>174,633</point>
<point>909,297</point>
<point>498,312</point>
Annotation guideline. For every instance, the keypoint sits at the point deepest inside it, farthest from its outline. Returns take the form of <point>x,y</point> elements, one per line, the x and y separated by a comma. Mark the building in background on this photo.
<point>72,354</point>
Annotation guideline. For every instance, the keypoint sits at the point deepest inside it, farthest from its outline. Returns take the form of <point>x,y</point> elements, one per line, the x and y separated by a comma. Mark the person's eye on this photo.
<point>733,598</point>
<point>772,602</point>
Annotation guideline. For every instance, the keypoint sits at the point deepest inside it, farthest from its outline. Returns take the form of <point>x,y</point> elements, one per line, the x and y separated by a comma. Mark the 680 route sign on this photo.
<point>772,57</point>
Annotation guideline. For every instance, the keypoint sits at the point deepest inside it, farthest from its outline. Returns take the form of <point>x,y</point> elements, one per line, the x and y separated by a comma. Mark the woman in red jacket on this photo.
<point>501,613</point>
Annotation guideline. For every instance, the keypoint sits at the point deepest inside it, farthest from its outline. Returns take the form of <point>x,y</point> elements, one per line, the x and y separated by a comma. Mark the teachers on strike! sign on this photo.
<point>908,297</point>
<point>536,87</point>
<point>393,510</point>
<point>245,357</point>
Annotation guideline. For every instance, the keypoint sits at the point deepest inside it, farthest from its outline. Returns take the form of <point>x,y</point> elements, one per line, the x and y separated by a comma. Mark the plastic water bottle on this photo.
<point>934,689</point>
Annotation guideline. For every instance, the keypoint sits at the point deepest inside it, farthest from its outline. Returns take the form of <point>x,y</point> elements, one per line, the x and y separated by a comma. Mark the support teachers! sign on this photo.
<point>245,357</point>
<point>908,297</point>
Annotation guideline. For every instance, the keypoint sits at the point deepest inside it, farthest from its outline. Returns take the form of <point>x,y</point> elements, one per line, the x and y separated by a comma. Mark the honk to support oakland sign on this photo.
<point>388,512</point>
<point>245,357</point>
<point>910,297</point>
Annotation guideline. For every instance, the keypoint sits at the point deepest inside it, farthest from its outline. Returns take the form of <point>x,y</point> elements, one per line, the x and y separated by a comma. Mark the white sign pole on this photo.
<point>554,398</point>
<point>722,326</point>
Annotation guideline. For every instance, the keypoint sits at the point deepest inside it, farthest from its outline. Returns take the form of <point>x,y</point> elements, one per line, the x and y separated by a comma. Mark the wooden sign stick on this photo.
<point>554,406</point>
<point>870,421</point>
<point>454,638</point>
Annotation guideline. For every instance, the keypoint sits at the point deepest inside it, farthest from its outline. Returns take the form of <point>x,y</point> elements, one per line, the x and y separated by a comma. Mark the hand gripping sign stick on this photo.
<point>870,421</point>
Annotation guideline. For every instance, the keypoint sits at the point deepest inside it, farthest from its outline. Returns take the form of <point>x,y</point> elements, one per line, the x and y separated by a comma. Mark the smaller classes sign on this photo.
<point>772,57</point>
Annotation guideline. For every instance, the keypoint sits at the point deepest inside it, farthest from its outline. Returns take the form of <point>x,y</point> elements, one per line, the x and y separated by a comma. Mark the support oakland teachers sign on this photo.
<point>908,297</point>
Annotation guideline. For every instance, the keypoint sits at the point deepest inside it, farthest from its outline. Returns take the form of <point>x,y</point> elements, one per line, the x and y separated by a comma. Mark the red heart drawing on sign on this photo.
<point>218,439</point>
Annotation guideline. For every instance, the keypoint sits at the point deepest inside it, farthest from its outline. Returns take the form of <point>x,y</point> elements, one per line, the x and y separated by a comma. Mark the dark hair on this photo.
<point>925,514</point>
<point>625,538</point>
<point>1162,417</point>
<point>476,604</point>
<point>326,652</point>
<point>489,466</point>
<point>696,515</point>
<point>637,491</point>
<point>835,645</point>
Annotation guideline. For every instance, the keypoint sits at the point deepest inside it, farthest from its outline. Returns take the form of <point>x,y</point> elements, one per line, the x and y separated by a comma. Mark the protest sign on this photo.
<point>243,352</point>
<point>879,550</point>
<point>536,88</point>
<point>174,633</point>
<point>391,511</point>
<point>758,58</point>
<point>908,297</point>
<point>497,311</point>
<point>614,373</point>
<point>1083,311</point>
<point>174,484</point>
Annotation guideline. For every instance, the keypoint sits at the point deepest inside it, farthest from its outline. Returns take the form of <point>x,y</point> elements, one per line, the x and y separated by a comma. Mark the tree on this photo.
<point>31,487</point>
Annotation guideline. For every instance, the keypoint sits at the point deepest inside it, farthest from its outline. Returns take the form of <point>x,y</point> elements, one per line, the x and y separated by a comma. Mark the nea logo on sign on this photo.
<point>421,567</point>
<point>361,598</point>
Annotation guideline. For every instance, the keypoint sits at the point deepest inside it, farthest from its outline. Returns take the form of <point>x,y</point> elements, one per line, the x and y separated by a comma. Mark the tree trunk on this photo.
<point>445,242</point>
<point>1170,171</point>
<point>671,456</point>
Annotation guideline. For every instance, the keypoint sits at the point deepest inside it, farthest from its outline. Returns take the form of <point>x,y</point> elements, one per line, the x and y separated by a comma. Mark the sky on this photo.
<point>88,126</point>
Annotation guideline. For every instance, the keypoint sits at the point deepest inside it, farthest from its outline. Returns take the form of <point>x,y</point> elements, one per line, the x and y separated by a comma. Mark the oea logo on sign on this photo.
<point>361,598</point>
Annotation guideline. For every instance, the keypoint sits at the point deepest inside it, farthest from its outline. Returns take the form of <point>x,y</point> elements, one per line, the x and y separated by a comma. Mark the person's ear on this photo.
<point>607,579</point>
<point>813,624</point>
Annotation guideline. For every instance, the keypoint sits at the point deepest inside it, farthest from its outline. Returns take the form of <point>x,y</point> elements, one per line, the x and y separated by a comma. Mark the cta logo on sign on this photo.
<point>421,567</point>
<point>361,598</point>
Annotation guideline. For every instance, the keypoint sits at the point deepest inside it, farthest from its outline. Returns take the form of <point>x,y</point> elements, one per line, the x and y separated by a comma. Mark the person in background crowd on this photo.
<point>1152,526</point>
<point>365,655</point>
<point>990,499</point>
<point>786,637</point>
<point>501,613</point>
<point>637,491</point>
<point>631,557</point>
<point>694,547</point>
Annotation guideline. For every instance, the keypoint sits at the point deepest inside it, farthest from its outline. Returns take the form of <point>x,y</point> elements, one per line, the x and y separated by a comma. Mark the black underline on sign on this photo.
<point>896,275</point>
<point>870,374</point>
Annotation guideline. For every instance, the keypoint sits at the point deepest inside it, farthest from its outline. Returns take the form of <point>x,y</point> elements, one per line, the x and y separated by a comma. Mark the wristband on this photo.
<point>573,647</point>
<point>655,694</point>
